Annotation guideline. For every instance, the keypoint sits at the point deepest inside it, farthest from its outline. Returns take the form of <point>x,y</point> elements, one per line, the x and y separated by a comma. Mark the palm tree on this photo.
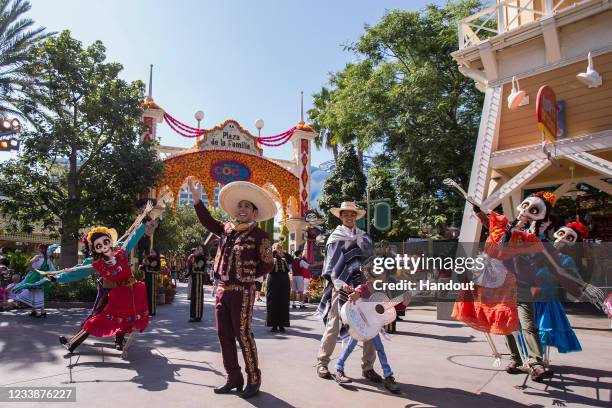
<point>317,117</point>
<point>17,36</point>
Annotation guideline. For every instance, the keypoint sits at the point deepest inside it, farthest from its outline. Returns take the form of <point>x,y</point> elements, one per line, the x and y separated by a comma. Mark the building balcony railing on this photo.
<point>506,16</point>
<point>33,238</point>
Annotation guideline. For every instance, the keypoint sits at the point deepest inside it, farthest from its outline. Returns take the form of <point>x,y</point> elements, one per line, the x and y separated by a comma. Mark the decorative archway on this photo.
<point>228,152</point>
<point>214,167</point>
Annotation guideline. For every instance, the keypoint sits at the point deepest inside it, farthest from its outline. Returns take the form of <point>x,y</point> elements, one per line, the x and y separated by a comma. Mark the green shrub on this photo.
<point>81,291</point>
<point>20,263</point>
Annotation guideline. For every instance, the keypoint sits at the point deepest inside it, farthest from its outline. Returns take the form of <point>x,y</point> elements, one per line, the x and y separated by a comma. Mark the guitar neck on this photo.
<point>393,302</point>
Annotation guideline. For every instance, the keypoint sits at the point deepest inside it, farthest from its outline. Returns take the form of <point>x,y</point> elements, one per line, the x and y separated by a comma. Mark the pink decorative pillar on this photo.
<point>301,140</point>
<point>151,116</point>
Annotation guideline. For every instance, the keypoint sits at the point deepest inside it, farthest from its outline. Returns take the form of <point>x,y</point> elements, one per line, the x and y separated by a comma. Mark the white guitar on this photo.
<point>366,317</point>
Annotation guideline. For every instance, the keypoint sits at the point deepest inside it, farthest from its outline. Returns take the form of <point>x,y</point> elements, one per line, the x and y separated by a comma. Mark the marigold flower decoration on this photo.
<point>102,230</point>
<point>549,197</point>
<point>199,165</point>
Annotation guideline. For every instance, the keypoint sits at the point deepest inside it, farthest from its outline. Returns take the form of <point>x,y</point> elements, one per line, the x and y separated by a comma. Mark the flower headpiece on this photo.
<point>101,230</point>
<point>547,196</point>
<point>580,228</point>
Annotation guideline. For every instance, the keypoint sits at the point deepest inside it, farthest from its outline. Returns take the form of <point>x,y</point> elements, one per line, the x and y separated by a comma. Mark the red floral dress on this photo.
<point>494,310</point>
<point>127,302</point>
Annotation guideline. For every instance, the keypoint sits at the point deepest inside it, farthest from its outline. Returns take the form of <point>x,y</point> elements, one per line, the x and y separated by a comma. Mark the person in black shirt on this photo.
<point>152,268</point>
<point>277,291</point>
<point>197,269</point>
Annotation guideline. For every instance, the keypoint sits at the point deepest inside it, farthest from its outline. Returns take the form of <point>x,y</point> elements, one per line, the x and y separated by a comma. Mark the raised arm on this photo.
<point>482,217</point>
<point>572,284</point>
<point>202,212</point>
<point>73,274</point>
<point>133,239</point>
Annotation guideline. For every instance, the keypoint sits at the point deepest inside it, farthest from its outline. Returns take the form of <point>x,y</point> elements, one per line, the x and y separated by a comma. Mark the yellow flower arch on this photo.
<point>283,184</point>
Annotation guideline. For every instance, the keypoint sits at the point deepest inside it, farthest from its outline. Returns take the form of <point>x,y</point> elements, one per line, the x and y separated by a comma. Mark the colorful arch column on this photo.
<point>151,116</point>
<point>301,141</point>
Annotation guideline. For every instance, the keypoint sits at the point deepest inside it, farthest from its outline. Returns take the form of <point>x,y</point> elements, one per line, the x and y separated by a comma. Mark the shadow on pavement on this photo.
<point>267,400</point>
<point>38,338</point>
<point>419,395</point>
<point>436,323</point>
<point>153,370</point>
<point>453,339</point>
<point>560,387</point>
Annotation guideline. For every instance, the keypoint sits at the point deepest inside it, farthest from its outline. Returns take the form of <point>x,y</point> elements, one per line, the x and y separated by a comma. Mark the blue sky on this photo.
<point>240,59</point>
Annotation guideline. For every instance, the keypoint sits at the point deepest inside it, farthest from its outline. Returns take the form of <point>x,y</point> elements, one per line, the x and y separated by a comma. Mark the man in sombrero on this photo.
<point>244,254</point>
<point>346,250</point>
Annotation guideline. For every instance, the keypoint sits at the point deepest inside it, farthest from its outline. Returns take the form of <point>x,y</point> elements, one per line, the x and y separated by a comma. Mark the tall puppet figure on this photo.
<point>502,298</point>
<point>121,307</point>
<point>244,254</point>
<point>554,327</point>
<point>534,218</point>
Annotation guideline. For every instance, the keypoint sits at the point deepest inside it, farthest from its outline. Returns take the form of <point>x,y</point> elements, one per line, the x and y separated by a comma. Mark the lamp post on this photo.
<point>259,124</point>
<point>199,117</point>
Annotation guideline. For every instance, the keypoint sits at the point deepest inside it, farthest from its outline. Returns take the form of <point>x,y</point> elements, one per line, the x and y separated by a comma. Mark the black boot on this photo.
<point>250,391</point>
<point>119,341</point>
<point>229,386</point>
<point>64,342</point>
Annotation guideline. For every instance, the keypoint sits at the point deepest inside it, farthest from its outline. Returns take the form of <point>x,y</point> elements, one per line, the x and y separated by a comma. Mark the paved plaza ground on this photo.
<point>177,364</point>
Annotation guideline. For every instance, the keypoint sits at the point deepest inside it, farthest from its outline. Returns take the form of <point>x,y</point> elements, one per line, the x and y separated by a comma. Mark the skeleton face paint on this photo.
<point>532,209</point>
<point>565,237</point>
<point>103,245</point>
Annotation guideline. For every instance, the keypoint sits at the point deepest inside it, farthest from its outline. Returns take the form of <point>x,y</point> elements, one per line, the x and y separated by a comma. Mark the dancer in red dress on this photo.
<point>127,308</point>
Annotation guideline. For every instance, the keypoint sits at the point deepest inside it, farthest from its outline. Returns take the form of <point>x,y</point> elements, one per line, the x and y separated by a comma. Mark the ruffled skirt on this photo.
<point>32,297</point>
<point>554,327</point>
<point>126,309</point>
<point>489,310</point>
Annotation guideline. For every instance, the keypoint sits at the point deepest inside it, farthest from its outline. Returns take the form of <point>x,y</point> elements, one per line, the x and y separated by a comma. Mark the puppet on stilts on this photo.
<point>501,300</point>
<point>553,325</point>
<point>121,309</point>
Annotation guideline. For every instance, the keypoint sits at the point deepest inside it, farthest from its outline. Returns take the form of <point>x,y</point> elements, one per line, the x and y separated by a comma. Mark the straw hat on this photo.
<point>232,193</point>
<point>348,206</point>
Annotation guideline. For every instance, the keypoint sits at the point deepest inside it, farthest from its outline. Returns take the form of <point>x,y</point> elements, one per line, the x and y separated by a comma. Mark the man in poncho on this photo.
<point>347,247</point>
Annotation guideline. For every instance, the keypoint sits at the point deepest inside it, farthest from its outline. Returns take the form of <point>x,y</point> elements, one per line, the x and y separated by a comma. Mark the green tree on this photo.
<point>267,226</point>
<point>81,162</point>
<point>180,231</point>
<point>284,235</point>
<point>320,102</point>
<point>17,36</point>
<point>404,91</point>
<point>346,183</point>
<point>381,181</point>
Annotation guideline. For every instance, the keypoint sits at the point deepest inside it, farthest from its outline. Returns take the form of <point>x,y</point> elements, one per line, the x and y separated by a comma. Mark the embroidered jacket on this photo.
<point>198,264</point>
<point>242,256</point>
